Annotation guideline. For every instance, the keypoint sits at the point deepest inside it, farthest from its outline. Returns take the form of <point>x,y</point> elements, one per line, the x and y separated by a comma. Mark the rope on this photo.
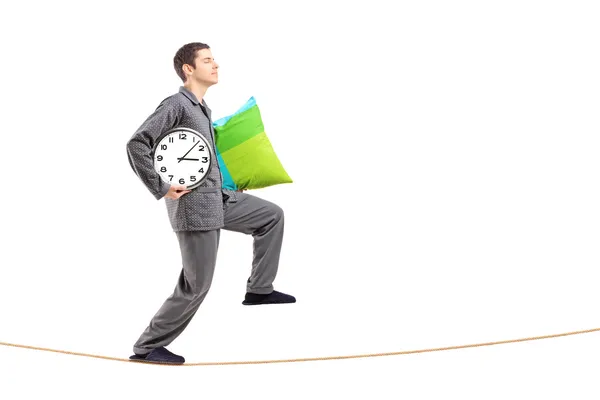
<point>315,358</point>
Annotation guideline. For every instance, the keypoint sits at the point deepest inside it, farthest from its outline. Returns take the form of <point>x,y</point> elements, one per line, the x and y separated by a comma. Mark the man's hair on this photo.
<point>186,55</point>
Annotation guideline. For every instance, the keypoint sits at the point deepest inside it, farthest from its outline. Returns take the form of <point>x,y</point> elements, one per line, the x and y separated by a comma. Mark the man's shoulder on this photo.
<point>175,103</point>
<point>175,99</point>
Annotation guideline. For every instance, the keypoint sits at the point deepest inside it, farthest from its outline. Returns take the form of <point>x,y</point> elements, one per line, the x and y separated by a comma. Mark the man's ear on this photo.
<point>187,68</point>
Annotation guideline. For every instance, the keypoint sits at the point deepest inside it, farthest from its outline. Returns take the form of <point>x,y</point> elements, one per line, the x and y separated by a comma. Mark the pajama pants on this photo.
<point>250,215</point>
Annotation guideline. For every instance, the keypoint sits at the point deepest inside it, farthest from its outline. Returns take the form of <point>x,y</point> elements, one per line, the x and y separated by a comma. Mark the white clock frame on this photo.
<point>174,145</point>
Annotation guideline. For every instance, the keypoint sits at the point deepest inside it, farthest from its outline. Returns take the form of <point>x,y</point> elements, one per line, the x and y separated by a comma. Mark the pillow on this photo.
<point>244,152</point>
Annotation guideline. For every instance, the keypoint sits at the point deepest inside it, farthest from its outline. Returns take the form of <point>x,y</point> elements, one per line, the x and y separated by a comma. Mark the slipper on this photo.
<point>274,297</point>
<point>159,355</point>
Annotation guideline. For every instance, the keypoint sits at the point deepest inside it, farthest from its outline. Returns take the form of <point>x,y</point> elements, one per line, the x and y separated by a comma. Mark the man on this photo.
<point>197,215</point>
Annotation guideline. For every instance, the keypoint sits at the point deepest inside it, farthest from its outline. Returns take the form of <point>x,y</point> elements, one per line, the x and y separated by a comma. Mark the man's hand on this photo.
<point>176,191</point>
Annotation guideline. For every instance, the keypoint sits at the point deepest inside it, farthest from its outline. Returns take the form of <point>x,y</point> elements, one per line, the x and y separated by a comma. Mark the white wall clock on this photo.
<point>182,156</point>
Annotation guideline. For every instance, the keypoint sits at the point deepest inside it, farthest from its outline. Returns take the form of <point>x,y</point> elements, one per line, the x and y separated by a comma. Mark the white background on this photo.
<point>445,165</point>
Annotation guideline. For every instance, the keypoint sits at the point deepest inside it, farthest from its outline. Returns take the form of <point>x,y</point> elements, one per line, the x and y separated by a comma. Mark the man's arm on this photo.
<point>139,147</point>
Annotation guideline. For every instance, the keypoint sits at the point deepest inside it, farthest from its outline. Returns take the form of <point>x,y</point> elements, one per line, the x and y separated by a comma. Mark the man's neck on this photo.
<point>199,91</point>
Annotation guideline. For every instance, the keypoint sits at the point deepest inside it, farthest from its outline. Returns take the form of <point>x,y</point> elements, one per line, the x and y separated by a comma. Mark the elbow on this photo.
<point>133,146</point>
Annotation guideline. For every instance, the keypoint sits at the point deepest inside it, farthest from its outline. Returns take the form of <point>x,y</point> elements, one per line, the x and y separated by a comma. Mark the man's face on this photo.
<point>206,69</point>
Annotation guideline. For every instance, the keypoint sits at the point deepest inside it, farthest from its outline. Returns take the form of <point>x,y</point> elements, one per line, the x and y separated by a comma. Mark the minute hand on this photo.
<point>187,152</point>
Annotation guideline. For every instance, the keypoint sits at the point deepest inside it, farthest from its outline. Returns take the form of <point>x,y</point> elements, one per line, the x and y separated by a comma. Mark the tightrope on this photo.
<point>397,353</point>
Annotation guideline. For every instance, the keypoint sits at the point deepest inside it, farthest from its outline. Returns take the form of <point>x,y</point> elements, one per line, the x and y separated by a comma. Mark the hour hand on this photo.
<point>188,159</point>
<point>188,152</point>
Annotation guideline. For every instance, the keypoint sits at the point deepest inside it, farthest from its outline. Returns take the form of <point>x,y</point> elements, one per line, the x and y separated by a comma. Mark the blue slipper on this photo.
<point>274,297</point>
<point>159,355</point>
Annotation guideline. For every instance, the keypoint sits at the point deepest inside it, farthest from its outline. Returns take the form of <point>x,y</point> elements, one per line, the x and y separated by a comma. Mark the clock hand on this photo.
<point>189,159</point>
<point>179,159</point>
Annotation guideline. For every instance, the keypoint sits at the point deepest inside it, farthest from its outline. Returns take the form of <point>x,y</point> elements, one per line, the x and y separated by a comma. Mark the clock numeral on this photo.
<point>182,181</point>
<point>171,139</point>
<point>182,136</point>
<point>163,169</point>
<point>201,170</point>
<point>193,178</point>
<point>170,178</point>
<point>163,146</point>
<point>159,158</point>
<point>201,148</point>
<point>204,159</point>
<point>194,137</point>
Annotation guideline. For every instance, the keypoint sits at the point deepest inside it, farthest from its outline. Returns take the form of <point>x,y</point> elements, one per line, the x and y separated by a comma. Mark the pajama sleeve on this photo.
<point>141,144</point>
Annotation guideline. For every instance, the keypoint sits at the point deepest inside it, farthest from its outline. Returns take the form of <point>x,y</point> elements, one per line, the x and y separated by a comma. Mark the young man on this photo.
<point>197,215</point>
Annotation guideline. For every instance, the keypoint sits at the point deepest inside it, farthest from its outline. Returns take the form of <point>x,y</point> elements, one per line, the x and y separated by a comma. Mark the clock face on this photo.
<point>183,157</point>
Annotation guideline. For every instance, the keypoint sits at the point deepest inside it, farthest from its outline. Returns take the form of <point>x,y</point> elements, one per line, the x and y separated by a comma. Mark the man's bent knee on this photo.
<point>277,212</point>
